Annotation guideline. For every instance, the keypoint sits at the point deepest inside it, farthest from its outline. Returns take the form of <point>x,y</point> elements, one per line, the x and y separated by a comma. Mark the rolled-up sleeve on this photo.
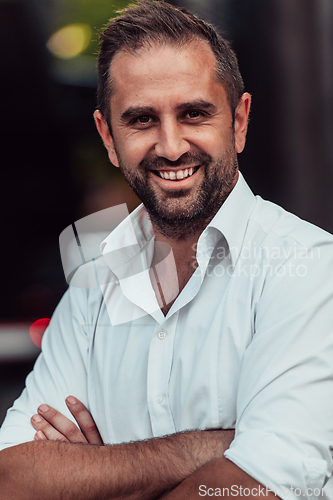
<point>284,429</point>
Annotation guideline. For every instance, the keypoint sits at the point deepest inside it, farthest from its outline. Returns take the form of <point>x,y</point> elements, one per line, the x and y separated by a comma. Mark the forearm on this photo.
<point>218,478</point>
<point>140,470</point>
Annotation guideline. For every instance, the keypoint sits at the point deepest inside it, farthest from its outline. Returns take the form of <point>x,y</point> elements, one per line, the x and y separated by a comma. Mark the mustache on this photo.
<point>159,162</point>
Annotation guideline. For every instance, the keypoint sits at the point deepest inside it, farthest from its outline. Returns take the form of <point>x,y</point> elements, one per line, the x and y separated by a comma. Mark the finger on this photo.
<point>43,426</point>
<point>40,436</point>
<point>61,424</point>
<point>85,420</point>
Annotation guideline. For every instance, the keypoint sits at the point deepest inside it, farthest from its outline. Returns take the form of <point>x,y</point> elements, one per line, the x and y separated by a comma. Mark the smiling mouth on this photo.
<point>171,175</point>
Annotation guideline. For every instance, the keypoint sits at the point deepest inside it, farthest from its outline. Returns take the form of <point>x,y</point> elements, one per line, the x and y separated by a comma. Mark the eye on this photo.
<point>143,119</point>
<point>193,114</point>
<point>141,122</point>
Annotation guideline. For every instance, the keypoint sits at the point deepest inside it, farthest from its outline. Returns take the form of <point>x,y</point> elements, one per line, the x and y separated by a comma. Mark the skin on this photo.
<point>70,461</point>
<point>168,105</point>
<point>168,111</point>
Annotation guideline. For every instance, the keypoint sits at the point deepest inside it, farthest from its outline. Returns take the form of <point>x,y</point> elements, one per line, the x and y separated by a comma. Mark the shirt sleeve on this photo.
<point>60,369</point>
<point>284,428</point>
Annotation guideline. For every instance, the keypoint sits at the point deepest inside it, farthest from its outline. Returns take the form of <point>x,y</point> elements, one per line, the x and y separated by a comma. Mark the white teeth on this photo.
<point>179,175</point>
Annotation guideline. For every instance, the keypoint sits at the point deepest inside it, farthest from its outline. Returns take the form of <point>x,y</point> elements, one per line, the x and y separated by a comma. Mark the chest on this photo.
<point>167,284</point>
<point>159,378</point>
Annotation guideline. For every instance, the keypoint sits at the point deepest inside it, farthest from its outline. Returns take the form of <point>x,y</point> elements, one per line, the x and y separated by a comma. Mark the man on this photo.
<point>230,330</point>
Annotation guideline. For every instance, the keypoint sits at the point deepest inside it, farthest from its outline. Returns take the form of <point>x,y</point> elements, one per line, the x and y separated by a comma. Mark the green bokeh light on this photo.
<point>95,13</point>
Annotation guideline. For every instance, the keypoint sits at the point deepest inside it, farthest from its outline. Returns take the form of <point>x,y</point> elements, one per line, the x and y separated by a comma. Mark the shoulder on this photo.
<point>289,262</point>
<point>278,226</point>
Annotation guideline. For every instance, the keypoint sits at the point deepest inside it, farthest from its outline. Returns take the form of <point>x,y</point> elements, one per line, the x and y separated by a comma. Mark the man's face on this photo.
<point>173,136</point>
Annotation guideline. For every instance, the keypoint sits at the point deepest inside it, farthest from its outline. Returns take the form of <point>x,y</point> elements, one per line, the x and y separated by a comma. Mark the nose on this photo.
<point>170,143</point>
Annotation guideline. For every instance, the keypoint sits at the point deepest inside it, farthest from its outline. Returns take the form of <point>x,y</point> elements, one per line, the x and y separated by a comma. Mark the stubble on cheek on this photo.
<point>185,211</point>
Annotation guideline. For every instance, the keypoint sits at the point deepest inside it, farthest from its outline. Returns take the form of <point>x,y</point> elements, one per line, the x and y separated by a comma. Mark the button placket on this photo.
<point>159,367</point>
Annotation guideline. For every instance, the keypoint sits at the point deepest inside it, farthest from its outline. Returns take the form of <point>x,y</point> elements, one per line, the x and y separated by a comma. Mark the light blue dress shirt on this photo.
<point>247,344</point>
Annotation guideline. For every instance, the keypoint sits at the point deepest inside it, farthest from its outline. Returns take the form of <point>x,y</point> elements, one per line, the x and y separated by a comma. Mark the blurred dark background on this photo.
<point>54,169</point>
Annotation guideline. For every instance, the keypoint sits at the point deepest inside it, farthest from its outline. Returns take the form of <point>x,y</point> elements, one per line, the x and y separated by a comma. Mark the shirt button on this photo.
<point>162,335</point>
<point>159,399</point>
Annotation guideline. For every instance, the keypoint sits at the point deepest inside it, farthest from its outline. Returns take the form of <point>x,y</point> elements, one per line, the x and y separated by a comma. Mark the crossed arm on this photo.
<point>69,462</point>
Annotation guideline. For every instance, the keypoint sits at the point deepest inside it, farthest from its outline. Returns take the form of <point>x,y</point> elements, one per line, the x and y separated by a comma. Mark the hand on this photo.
<point>52,425</point>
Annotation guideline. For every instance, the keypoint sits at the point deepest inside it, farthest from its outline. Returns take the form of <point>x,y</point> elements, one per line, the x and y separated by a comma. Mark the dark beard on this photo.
<point>176,222</point>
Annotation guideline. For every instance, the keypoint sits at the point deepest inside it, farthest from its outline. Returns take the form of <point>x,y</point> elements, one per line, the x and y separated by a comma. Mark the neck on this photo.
<point>183,249</point>
<point>175,272</point>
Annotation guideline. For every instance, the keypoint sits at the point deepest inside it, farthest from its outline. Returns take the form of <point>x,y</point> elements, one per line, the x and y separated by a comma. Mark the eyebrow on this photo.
<point>133,111</point>
<point>200,104</point>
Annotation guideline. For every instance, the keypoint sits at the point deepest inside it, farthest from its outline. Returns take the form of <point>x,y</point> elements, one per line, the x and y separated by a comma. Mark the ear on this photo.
<point>106,136</point>
<point>241,121</point>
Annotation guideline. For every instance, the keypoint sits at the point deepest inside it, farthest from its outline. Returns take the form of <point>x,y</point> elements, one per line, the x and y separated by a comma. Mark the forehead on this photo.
<point>165,74</point>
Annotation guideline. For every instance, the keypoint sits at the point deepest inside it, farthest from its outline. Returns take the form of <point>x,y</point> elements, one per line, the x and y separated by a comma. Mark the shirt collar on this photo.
<point>135,232</point>
<point>232,218</point>
<point>127,240</point>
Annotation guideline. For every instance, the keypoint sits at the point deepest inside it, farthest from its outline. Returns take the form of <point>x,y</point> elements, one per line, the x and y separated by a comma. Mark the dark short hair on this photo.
<point>151,22</point>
